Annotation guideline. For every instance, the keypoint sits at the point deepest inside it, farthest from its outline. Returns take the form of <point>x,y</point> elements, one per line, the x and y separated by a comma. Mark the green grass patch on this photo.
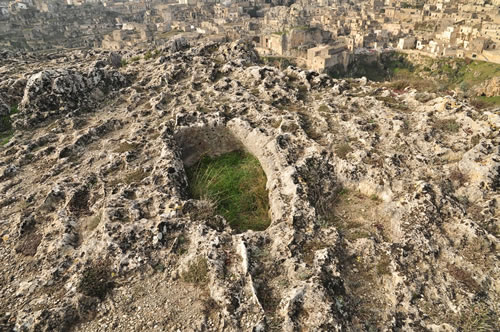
<point>478,71</point>
<point>152,54</point>
<point>428,74</point>
<point>236,183</point>
<point>486,102</point>
<point>448,74</point>
<point>5,137</point>
<point>14,109</point>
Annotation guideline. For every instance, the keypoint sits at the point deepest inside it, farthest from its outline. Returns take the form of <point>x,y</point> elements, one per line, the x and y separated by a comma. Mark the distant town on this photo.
<point>316,34</point>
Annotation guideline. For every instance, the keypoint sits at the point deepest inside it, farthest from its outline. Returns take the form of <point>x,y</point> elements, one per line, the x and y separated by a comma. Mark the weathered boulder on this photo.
<point>489,88</point>
<point>115,60</point>
<point>56,92</point>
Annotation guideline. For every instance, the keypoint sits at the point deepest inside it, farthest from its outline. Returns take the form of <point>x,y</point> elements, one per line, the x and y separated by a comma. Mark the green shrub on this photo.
<point>236,183</point>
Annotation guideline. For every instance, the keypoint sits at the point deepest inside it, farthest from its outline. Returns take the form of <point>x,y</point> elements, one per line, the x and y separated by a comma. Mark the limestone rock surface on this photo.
<point>384,208</point>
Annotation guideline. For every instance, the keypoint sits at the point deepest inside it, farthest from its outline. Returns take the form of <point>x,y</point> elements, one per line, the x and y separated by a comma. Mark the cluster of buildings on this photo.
<point>315,33</point>
<point>452,29</point>
<point>39,24</point>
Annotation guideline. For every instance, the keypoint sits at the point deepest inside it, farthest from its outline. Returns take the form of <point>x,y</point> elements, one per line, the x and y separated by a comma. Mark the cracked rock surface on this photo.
<point>383,204</point>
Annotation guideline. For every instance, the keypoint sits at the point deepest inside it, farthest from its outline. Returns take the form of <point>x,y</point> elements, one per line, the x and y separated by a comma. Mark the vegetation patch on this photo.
<point>97,279</point>
<point>236,183</point>
<point>485,102</point>
<point>6,128</point>
<point>398,72</point>
<point>151,55</point>
<point>181,245</point>
<point>280,33</point>
<point>343,150</point>
<point>375,70</point>
<point>393,103</point>
<point>5,137</point>
<point>197,272</point>
<point>480,317</point>
<point>383,265</point>
<point>447,125</point>
<point>133,59</point>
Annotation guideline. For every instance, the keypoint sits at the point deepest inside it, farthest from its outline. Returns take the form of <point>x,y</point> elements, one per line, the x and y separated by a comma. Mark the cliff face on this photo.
<point>383,204</point>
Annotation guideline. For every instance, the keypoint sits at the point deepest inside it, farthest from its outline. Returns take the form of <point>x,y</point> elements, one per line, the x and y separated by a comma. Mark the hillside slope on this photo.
<point>383,203</point>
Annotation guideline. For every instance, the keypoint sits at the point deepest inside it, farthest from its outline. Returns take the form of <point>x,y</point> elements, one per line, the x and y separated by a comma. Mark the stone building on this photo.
<point>406,43</point>
<point>323,57</point>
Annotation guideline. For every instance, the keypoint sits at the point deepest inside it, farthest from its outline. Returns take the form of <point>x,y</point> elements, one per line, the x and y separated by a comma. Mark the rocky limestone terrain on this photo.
<point>383,204</point>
